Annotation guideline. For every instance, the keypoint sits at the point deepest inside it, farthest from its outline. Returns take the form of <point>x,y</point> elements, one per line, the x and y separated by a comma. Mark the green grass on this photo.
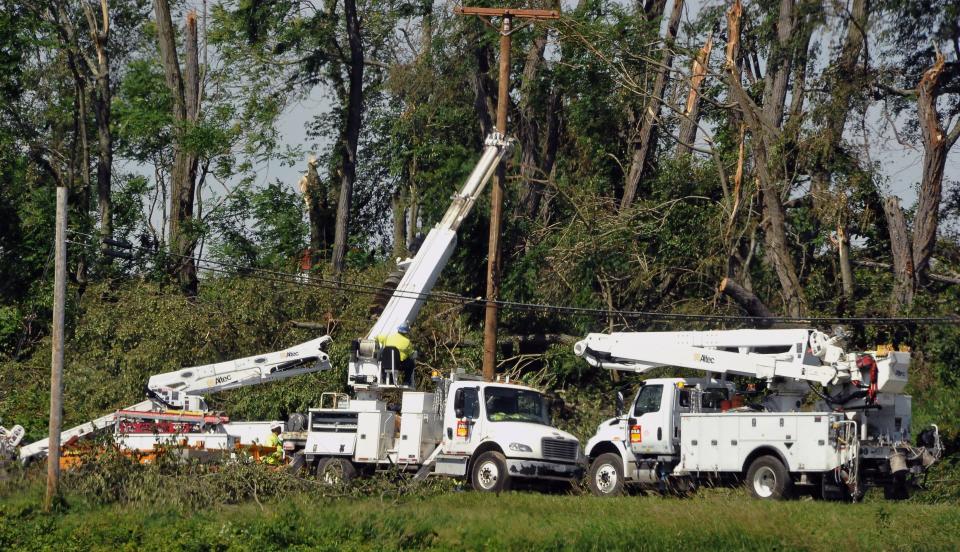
<point>725,519</point>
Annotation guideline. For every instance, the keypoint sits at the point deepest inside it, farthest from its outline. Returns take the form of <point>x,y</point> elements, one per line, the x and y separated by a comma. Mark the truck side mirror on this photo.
<point>458,403</point>
<point>619,403</point>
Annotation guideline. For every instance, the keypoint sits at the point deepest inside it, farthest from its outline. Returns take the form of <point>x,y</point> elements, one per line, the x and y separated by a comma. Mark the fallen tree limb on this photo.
<point>309,325</point>
<point>747,301</point>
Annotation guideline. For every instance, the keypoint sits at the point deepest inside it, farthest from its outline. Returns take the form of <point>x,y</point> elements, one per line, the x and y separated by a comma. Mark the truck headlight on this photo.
<point>520,447</point>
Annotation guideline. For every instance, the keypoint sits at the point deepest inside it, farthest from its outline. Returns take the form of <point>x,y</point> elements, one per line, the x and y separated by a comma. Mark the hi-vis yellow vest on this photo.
<point>399,341</point>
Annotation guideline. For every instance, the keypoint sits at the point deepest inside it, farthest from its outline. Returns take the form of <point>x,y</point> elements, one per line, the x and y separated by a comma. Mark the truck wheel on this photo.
<point>489,473</point>
<point>899,489</point>
<point>336,471</point>
<point>831,490</point>
<point>605,477</point>
<point>297,462</point>
<point>768,478</point>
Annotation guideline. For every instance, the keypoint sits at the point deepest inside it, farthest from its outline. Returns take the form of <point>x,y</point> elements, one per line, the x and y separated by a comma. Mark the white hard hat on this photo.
<point>276,425</point>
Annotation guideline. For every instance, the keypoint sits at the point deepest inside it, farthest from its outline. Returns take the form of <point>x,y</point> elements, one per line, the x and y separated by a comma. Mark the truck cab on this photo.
<point>642,443</point>
<point>494,432</point>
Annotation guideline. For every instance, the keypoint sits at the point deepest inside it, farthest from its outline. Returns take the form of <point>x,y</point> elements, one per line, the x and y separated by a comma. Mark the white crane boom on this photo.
<point>174,388</point>
<point>182,389</point>
<point>425,267</point>
<point>366,372</point>
<point>800,355</point>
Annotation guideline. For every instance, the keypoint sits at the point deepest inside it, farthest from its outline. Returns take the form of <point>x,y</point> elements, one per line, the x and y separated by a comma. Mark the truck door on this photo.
<point>652,429</point>
<point>463,422</point>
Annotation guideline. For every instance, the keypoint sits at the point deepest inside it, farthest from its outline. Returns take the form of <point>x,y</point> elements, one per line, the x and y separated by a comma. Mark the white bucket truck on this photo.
<point>679,431</point>
<point>486,432</point>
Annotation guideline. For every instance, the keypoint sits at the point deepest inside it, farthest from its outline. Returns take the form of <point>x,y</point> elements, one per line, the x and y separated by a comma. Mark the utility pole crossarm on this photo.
<point>507,12</point>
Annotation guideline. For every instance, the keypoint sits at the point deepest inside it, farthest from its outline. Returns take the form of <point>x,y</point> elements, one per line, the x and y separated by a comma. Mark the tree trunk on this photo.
<point>765,126</point>
<point>101,110</point>
<point>531,172</point>
<point>185,97</point>
<point>552,139</point>
<point>842,86</point>
<point>80,138</point>
<point>351,136</point>
<point>777,247</point>
<point>315,198</point>
<point>639,163</point>
<point>911,261</point>
<point>846,270</point>
<point>413,213</point>
<point>691,112</point>
<point>903,271</point>
<point>936,145</point>
<point>483,97</point>
<point>399,225</point>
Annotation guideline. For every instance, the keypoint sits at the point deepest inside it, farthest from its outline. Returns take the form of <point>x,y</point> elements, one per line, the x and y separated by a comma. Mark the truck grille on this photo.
<point>559,449</point>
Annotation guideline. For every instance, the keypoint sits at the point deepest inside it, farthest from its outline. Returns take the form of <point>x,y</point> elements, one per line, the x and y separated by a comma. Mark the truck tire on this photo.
<point>336,471</point>
<point>489,473</point>
<point>831,490</point>
<point>899,489</point>
<point>605,477</point>
<point>297,463</point>
<point>769,479</point>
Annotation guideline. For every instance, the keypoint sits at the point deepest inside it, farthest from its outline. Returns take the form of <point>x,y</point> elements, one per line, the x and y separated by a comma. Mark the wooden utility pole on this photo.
<point>506,28</point>
<point>56,365</point>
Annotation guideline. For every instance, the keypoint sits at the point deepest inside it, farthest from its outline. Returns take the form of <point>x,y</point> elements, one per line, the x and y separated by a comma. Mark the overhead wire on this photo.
<point>310,280</point>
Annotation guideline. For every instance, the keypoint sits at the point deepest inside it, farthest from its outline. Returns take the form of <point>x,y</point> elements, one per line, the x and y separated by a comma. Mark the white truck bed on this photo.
<point>805,441</point>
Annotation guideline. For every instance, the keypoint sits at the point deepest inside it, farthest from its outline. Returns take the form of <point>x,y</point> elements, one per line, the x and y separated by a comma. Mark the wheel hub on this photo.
<point>488,475</point>
<point>606,478</point>
<point>764,482</point>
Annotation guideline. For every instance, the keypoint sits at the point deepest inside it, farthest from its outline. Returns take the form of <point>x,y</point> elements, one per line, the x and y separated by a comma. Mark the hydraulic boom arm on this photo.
<point>182,388</point>
<point>173,388</point>
<point>432,257</point>
<point>422,272</point>
<point>800,355</point>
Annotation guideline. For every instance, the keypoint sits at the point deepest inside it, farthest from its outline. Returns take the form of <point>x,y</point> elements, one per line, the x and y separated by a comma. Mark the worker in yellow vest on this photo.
<point>400,340</point>
<point>275,458</point>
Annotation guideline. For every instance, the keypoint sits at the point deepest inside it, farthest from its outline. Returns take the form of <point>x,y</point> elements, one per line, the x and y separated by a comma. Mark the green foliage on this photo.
<point>275,216</point>
<point>120,336</point>
<point>473,521</point>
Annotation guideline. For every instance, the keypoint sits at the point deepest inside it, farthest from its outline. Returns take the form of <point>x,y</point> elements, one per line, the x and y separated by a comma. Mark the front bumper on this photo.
<point>540,469</point>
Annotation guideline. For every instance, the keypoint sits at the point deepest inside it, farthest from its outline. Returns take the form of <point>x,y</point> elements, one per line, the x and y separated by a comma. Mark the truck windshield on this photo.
<point>648,400</point>
<point>505,404</point>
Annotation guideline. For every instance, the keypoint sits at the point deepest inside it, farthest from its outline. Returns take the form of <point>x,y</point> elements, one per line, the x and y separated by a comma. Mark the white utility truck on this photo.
<point>176,413</point>
<point>487,432</point>
<point>680,431</point>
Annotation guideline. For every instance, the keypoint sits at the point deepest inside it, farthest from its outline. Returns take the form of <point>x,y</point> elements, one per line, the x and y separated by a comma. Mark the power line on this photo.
<point>276,276</point>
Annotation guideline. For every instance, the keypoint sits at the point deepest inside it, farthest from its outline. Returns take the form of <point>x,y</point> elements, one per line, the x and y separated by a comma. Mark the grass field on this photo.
<point>714,520</point>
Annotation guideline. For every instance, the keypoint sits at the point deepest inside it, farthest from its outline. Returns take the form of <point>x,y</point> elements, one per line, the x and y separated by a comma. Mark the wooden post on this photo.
<point>56,365</point>
<point>496,198</point>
